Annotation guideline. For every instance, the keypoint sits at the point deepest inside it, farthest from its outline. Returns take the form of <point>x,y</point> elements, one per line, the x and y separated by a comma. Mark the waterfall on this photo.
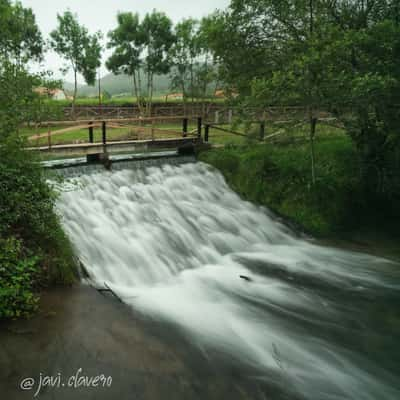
<point>175,243</point>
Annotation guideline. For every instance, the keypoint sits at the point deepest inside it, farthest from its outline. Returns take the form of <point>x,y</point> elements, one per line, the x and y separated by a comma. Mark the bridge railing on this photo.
<point>52,133</point>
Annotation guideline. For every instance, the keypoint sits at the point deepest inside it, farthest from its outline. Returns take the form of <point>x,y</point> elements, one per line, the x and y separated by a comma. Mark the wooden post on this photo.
<point>49,138</point>
<point>206,131</point>
<point>185,127</point>
<point>230,116</point>
<point>104,132</point>
<point>216,120</point>
<point>91,132</point>
<point>262,130</point>
<point>152,129</point>
<point>199,122</point>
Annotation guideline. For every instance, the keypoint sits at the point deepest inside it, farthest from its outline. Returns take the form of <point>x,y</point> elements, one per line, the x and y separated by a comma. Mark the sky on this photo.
<point>100,15</point>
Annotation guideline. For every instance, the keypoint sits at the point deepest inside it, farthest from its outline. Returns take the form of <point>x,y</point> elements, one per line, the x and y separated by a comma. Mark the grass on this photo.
<point>82,135</point>
<point>126,101</point>
<point>279,176</point>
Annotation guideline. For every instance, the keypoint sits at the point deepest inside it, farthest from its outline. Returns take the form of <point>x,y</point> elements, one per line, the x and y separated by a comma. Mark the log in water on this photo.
<point>174,242</point>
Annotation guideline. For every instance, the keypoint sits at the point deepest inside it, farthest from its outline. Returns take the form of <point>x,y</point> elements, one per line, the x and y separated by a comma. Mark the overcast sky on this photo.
<point>101,15</point>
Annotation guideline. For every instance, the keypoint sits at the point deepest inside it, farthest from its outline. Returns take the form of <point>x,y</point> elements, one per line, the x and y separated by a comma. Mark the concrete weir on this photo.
<point>112,147</point>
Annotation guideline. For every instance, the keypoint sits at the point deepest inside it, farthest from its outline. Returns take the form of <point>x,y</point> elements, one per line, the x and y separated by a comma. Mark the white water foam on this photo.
<point>172,242</point>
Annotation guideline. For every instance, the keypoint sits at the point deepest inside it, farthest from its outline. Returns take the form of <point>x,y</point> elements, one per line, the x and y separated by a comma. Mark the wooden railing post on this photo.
<point>199,123</point>
<point>230,116</point>
<point>91,140</point>
<point>262,130</point>
<point>206,132</point>
<point>185,127</point>
<point>49,138</point>
<point>104,132</point>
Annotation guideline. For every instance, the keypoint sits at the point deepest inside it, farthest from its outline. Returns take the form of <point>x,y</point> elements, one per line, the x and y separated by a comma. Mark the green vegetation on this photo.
<point>193,69</point>
<point>145,51</point>
<point>34,251</point>
<point>278,176</point>
<point>141,47</point>
<point>169,130</point>
<point>124,101</point>
<point>73,42</point>
<point>342,57</point>
<point>33,248</point>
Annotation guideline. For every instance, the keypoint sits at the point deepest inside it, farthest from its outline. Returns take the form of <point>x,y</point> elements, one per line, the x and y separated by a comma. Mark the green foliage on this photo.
<point>127,42</point>
<point>20,37</point>
<point>19,103</point>
<point>339,56</point>
<point>27,212</point>
<point>17,275</point>
<point>194,68</point>
<point>279,178</point>
<point>33,248</point>
<point>74,43</point>
<point>141,47</point>
<point>183,53</point>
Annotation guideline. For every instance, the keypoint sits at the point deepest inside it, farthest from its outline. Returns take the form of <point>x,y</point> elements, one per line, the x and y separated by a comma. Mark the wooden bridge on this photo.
<point>143,134</point>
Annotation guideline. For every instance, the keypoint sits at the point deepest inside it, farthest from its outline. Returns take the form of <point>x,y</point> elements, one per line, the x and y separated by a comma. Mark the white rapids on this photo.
<point>172,242</point>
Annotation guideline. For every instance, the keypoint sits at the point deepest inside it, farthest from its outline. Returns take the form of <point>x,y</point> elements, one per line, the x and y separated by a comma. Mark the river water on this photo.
<point>172,241</point>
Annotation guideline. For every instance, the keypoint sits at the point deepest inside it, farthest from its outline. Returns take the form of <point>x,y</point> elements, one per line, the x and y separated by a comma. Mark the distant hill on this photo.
<point>120,85</point>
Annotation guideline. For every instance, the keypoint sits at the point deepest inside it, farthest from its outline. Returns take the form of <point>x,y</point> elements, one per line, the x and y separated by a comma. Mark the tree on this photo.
<point>183,54</point>
<point>280,40</point>
<point>156,31</point>
<point>20,37</point>
<point>208,69</point>
<point>141,46</point>
<point>365,87</point>
<point>82,50</point>
<point>33,248</point>
<point>342,56</point>
<point>128,43</point>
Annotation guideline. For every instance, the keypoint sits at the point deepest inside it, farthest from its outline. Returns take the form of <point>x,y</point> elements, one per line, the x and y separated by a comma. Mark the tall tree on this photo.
<point>20,37</point>
<point>339,55</point>
<point>141,46</point>
<point>20,41</point>
<point>183,54</point>
<point>82,51</point>
<point>128,43</point>
<point>156,30</point>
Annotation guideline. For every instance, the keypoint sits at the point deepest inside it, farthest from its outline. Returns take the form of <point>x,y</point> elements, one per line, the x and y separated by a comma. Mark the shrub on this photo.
<point>279,177</point>
<point>34,250</point>
<point>17,275</point>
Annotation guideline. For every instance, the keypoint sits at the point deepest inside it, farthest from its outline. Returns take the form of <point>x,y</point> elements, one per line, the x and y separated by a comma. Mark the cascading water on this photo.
<point>172,242</point>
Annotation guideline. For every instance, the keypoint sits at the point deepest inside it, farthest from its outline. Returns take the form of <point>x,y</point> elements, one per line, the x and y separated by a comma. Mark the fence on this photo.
<point>217,112</point>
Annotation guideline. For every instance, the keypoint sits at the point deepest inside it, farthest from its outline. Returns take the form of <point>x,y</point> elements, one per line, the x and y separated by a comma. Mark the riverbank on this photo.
<point>279,176</point>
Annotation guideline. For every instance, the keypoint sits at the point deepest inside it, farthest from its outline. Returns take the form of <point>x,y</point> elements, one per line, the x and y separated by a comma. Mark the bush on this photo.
<point>17,275</point>
<point>34,250</point>
<point>279,177</point>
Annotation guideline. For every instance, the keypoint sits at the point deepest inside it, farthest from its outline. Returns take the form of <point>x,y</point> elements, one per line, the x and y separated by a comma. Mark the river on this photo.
<point>175,243</point>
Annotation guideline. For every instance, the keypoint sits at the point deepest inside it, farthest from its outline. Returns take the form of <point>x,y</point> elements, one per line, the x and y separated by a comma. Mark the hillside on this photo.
<point>120,85</point>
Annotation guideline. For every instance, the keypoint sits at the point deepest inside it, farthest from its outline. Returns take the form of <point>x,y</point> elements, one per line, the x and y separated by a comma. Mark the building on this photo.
<point>55,94</point>
<point>222,94</point>
<point>174,96</point>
